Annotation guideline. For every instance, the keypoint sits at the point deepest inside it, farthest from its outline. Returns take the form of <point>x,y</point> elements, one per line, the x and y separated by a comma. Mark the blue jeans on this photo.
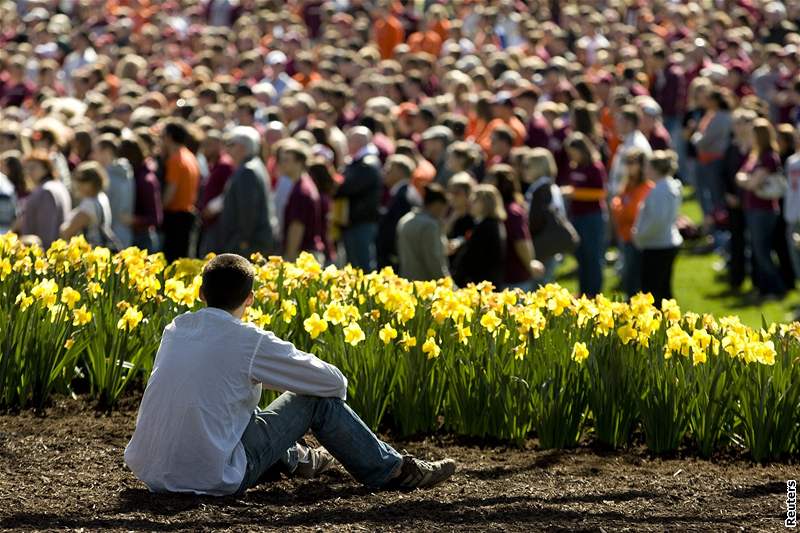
<point>710,189</point>
<point>590,252</point>
<point>631,269</point>
<point>359,245</point>
<point>760,229</point>
<point>272,435</point>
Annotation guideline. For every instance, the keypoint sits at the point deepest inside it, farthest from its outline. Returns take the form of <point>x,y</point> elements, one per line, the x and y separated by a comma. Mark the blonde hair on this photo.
<point>540,162</point>
<point>664,162</point>
<point>489,197</point>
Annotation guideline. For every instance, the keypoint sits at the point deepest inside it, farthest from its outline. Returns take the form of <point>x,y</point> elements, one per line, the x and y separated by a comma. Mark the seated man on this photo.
<point>198,429</point>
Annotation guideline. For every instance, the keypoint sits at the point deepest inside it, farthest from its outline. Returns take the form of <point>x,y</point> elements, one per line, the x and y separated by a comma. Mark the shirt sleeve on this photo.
<point>278,365</point>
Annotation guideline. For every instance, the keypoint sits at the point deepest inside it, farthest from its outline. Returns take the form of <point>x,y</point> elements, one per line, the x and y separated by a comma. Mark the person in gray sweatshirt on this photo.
<point>655,232</point>
<point>121,187</point>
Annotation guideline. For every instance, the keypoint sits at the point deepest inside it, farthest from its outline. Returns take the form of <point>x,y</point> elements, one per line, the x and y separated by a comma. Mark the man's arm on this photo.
<point>278,365</point>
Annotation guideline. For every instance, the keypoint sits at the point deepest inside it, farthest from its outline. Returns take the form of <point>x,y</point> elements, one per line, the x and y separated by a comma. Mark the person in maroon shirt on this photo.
<point>521,268</point>
<point>209,203</point>
<point>761,215</point>
<point>587,192</point>
<point>15,89</point>
<point>302,219</point>
<point>147,210</point>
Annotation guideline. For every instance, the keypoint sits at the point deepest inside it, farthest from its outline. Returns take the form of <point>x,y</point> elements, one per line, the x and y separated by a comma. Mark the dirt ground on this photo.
<point>65,472</point>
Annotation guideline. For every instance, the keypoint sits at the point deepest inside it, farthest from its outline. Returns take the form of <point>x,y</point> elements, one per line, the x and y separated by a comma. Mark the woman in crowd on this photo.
<point>551,232</point>
<point>760,214</point>
<point>484,252</point>
<point>656,232</point>
<point>711,141</point>
<point>459,221</point>
<point>47,206</point>
<point>624,210</point>
<point>92,217</point>
<point>147,210</point>
<point>735,156</point>
<point>521,269</point>
<point>587,190</point>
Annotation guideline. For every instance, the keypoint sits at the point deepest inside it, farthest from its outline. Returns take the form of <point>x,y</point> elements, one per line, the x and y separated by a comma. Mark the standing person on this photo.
<point>121,187</point>
<point>362,189</point>
<point>587,191</point>
<point>624,210</point>
<point>459,222</point>
<point>212,439</point>
<point>761,215</point>
<point>220,169</point>
<point>710,141</point>
<point>521,268</point>
<point>791,210</point>
<point>246,222</point>
<point>627,121</point>
<point>325,178</point>
<point>420,241</point>
<point>735,157</point>
<point>181,182</point>
<point>435,141</point>
<point>92,218</point>
<point>656,232</point>
<point>147,210</point>
<point>302,229</point>
<point>402,197</point>
<point>551,232</point>
<point>787,139</point>
<point>48,206</point>
<point>484,251</point>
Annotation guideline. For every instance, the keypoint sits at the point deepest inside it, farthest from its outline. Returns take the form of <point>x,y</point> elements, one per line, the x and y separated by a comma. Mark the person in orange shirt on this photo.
<point>182,180</point>
<point>503,113</point>
<point>304,66</point>
<point>427,40</point>
<point>389,31</point>
<point>624,210</point>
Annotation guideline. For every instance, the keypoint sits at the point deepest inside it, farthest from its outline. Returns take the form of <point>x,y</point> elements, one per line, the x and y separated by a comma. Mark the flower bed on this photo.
<point>419,356</point>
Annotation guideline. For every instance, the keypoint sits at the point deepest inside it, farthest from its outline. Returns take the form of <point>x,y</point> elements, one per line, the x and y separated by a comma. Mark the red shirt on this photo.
<point>771,163</point>
<point>516,230</point>
<point>592,176</point>
<point>304,206</point>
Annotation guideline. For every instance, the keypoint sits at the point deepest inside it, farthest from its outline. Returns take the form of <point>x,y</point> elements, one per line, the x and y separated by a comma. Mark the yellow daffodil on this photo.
<point>580,352</point>
<point>387,334</point>
<point>353,334</point>
<point>81,316</point>
<point>70,297</point>
<point>490,321</point>
<point>315,325</point>
<point>408,341</point>
<point>430,348</point>
<point>130,319</point>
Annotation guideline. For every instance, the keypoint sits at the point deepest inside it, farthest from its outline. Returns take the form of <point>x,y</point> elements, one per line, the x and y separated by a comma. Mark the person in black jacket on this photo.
<point>484,252</point>
<point>362,189</point>
<point>402,197</point>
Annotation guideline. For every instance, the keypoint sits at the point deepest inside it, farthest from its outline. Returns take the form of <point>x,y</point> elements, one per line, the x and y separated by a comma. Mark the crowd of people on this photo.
<point>479,140</point>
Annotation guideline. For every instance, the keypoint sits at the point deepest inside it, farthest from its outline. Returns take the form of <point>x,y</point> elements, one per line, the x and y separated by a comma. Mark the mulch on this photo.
<point>64,471</point>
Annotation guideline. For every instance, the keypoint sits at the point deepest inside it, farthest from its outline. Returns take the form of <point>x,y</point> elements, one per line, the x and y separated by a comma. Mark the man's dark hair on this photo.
<point>177,131</point>
<point>434,193</point>
<point>227,281</point>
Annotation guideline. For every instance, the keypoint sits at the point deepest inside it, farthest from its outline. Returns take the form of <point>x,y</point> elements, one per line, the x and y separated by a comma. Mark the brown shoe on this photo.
<point>416,473</point>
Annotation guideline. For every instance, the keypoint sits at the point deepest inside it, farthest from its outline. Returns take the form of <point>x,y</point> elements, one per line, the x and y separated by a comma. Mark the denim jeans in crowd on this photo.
<point>760,228</point>
<point>590,252</point>
<point>272,435</point>
<point>359,245</point>
<point>631,269</point>
<point>710,189</point>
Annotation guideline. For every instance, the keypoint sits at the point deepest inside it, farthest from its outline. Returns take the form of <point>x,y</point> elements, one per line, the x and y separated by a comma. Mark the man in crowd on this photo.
<point>362,189</point>
<point>420,239</point>
<point>402,197</point>
<point>246,224</point>
<point>182,180</point>
<point>302,218</point>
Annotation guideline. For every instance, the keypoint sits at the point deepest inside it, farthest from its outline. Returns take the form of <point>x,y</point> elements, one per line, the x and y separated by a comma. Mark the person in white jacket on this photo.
<point>198,429</point>
<point>656,231</point>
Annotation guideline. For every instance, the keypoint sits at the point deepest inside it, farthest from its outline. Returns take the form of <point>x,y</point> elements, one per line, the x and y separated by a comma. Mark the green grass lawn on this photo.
<point>698,287</point>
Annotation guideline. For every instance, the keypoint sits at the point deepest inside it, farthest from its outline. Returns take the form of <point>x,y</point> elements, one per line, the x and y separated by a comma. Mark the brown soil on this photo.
<point>65,471</point>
